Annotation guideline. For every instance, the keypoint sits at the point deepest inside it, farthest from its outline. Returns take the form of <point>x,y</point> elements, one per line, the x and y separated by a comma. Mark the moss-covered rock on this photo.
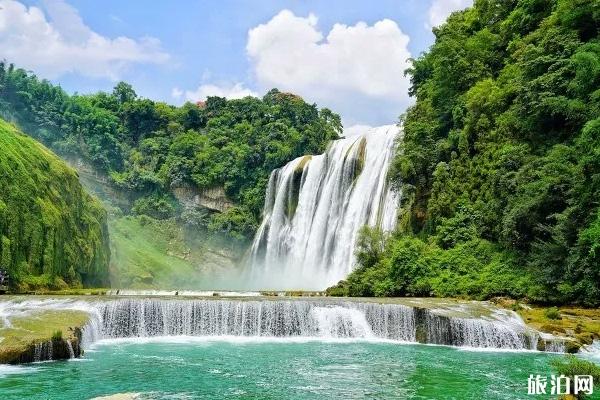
<point>40,336</point>
<point>581,326</point>
<point>52,233</point>
<point>295,184</point>
<point>356,154</point>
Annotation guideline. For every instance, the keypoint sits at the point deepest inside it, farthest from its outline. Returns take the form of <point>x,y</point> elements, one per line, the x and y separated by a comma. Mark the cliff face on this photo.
<point>213,198</point>
<point>52,233</point>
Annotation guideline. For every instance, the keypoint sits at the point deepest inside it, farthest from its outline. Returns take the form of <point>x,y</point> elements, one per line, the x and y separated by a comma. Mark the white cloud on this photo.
<point>441,9</point>
<point>357,70</point>
<point>176,93</point>
<point>57,41</point>
<point>229,91</point>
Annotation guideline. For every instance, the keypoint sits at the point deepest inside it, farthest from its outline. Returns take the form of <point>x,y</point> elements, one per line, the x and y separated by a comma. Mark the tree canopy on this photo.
<point>148,148</point>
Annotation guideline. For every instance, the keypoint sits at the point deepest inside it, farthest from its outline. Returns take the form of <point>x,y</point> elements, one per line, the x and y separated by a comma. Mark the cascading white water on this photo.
<point>42,351</point>
<point>289,318</point>
<point>132,318</point>
<point>314,209</point>
<point>277,319</point>
<point>479,333</point>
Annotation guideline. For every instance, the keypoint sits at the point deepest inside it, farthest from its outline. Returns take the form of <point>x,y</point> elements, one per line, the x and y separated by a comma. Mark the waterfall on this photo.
<point>42,351</point>
<point>70,349</point>
<point>265,318</point>
<point>467,324</point>
<point>317,319</point>
<point>477,333</point>
<point>314,209</point>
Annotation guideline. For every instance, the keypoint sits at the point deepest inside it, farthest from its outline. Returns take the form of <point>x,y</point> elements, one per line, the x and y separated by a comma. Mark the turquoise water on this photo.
<point>238,369</point>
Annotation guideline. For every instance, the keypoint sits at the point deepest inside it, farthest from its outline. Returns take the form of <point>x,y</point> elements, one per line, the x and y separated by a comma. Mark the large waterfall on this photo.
<point>315,207</point>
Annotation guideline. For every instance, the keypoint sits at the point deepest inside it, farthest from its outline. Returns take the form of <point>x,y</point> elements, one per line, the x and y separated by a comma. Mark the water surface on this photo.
<point>245,368</point>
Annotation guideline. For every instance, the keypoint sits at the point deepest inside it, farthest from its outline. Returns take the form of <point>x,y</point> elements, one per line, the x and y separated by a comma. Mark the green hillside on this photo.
<point>52,234</point>
<point>500,163</point>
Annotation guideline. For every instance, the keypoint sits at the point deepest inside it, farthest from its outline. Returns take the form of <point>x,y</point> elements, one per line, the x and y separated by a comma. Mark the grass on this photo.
<point>552,313</point>
<point>38,327</point>
<point>153,254</point>
<point>572,366</point>
<point>71,292</point>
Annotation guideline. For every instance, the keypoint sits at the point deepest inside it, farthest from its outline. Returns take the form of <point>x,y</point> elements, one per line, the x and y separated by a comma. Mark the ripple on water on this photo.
<point>119,396</point>
<point>6,370</point>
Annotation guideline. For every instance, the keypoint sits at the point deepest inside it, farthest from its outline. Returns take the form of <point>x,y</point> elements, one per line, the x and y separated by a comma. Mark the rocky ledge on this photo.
<point>578,327</point>
<point>33,336</point>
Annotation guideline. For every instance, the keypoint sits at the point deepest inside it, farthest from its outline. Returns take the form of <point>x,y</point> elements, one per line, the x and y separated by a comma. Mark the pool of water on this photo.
<point>195,368</point>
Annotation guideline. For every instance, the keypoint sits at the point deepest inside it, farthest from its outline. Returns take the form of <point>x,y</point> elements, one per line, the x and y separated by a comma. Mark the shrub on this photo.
<point>552,313</point>
<point>571,365</point>
<point>155,206</point>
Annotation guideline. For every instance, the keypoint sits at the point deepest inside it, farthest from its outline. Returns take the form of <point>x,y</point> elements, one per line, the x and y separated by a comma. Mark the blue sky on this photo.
<point>344,54</point>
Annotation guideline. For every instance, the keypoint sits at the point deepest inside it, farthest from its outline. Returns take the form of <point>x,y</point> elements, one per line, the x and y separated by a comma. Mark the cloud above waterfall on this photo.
<point>356,70</point>
<point>440,10</point>
<point>53,40</point>
<point>228,90</point>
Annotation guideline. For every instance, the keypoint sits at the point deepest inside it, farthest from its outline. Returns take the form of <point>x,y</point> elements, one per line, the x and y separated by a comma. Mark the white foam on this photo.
<point>238,340</point>
<point>182,293</point>
<point>6,370</point>
<point>495,350</point>
<point>592,351</point>
<point>119,396</point>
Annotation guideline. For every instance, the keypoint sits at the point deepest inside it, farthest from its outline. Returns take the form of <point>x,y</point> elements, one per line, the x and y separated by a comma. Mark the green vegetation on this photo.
<point>37,327</point>
<point>52,234</point>
<point>500,161</point>
<point>552,313</point>
<point>147,149</point>
<point>153,254</point>
<point>571,366</point>
<point>138,156</point>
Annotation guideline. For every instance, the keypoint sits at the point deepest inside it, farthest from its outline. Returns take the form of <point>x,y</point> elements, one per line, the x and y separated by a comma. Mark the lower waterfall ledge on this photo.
<point>41,335</point>
<point>36,328</point>
<point>428,321</point>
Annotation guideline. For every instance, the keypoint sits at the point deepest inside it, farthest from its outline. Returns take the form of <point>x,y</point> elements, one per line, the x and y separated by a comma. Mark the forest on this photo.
<point>499,166</point>
<point>148,148</point>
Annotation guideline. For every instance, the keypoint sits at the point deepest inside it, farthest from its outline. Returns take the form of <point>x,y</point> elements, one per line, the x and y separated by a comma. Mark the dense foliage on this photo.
<point>500,160</point>
<point>149,148</point>
<point>52,234</point>
<point>572,366</point>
